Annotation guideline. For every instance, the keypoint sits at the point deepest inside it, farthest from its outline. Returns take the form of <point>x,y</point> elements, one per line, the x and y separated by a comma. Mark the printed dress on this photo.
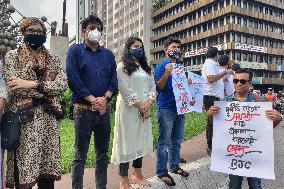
<point>38,155</point>
<point>132,136</point>
<point>3,94</point>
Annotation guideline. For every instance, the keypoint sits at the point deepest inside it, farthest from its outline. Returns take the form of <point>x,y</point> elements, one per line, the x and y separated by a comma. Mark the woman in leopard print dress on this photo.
<point>35,78</point>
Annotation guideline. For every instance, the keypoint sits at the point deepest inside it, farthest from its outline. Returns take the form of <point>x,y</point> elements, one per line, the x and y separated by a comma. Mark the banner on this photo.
<point>243,140</point>
<point>180,89</point>
<point>196,90</point>
<point>246,47</point>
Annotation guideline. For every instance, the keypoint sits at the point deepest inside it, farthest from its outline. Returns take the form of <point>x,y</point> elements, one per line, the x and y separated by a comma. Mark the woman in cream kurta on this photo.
<point>133,132</point>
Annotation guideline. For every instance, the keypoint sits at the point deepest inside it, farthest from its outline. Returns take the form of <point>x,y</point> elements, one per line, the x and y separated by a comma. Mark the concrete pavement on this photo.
<point>200,175</point>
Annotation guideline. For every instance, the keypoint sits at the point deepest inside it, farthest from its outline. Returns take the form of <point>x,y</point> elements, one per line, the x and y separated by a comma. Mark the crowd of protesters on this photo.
<point>32,78</point>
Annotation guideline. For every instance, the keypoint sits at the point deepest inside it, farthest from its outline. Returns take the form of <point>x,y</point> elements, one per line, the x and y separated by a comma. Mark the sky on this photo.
<point>51,9</point>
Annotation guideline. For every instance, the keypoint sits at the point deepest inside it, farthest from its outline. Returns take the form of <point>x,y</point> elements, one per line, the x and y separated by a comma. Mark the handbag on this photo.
<point>10,130</point>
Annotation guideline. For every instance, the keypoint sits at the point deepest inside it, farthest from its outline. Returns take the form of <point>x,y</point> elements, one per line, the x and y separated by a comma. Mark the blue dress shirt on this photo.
<point>90,72</point>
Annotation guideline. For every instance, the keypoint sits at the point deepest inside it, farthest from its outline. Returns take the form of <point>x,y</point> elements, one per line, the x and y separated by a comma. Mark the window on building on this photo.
<point>227,2</point>
<point>228,20</point>
<point>249,57</point>
<point>233,19</point>
<point>215,6</point>
<point>238,56</point>
<point>210,26</point>
<point>245,4</point>
<point>204,27</point>
<point>221,5</point>
<point>260,9</point>
<point>209,9</point>
<point>239,20</point>
<point>215,24</point>
<point>194,31</point>
<point>221,21</point>
<point>239,3</point>
<point>255,24</point>
<point>238,37</point>
<point>266,10</point>
<point>228,37</point>
<point>250,6</point>
<point>245,22</point>
<point>250,23</point>
<point>221,39</point>
<point>271,12</point>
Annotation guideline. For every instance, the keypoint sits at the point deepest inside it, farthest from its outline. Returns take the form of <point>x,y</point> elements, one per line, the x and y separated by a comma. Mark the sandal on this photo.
<point>180,172</point>
<point>166,175</point>
<point>182,160</point>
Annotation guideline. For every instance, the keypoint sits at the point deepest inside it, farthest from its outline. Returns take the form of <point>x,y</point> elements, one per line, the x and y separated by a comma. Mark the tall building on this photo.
<point>127,18</point>
<point>121,19</point>
<point>250,32</point>
<point>83,9</point>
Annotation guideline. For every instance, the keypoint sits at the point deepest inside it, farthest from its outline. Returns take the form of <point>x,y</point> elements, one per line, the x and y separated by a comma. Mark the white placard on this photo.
<point>243,140</point>
<point>180,89</point>
<point>196,90</point>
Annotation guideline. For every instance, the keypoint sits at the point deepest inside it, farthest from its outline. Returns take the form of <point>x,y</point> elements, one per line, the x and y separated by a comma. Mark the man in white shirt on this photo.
<point>227,79</point>
<point>213,88</point>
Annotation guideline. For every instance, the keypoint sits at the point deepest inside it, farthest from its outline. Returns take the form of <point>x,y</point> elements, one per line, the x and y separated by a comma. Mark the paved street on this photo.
<point>200,175</point>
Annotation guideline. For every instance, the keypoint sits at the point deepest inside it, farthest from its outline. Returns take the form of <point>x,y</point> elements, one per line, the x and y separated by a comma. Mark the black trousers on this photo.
<point>123,167</point>
<point>86,123</point>
<point>208,101</point>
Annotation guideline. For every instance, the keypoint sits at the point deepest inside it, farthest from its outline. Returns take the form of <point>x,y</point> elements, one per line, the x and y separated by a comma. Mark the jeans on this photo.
<point>171,129</point>
<point>123,167</point>
<point>236,182</point>
<point>208,101</point>
<point>87,122</point>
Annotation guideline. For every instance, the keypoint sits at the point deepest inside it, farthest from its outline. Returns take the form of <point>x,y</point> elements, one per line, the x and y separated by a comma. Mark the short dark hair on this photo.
<point>91,19</point>
<point>223,60</point>
<point>171,40</point>
<point>245,70</point>
<point>212,52</point>
<point>236,67</point>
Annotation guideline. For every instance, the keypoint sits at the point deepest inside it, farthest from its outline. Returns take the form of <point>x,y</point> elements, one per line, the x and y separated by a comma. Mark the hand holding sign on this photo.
<point>168,69</point>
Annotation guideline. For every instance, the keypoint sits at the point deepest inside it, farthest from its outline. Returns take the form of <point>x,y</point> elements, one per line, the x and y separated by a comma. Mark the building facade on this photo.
<point>59,46</point>
<point>121,19</point>
<point>250,32</point>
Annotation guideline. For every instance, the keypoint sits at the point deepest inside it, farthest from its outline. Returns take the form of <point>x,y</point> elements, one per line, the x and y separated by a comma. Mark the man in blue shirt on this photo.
<point>91,71</point>
<point>171,125</point>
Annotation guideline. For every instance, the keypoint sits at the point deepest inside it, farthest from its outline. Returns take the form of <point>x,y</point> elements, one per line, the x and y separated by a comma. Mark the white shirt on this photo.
<point>228,83</point>
<point>210,68</point>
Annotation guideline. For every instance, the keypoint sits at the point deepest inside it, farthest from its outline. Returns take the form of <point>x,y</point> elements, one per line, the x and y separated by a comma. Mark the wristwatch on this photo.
<point>282,117</point>
<point>108,98</point>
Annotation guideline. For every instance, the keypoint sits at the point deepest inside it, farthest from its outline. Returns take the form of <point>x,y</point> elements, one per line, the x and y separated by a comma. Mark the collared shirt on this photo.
<point>90,72</point>
<point>250,98</point>
<point>166,97</point>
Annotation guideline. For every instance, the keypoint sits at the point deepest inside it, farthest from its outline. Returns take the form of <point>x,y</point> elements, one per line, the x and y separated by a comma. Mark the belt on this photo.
<point>85,107</point>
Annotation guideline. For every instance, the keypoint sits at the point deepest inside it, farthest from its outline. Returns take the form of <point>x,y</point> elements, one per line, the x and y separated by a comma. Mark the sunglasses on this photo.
<point>34,31</point>
<point>242,81</point>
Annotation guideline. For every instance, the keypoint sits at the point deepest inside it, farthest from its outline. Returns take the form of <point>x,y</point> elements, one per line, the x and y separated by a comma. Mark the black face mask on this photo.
<point>35,41</point>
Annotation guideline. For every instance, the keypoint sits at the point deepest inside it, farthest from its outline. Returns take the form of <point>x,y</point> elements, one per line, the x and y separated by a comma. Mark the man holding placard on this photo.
<point>170,118</point>
<point>246,151</point>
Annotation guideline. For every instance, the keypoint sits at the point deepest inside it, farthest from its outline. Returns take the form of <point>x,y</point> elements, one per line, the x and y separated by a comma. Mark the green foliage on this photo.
<point>157,4</point>
<point>65,101</point>
<point>194,124</point>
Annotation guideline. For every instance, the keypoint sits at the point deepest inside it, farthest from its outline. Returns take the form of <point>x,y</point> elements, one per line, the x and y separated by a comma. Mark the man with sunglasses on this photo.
<point>213,87</point>
<point>242,84</point>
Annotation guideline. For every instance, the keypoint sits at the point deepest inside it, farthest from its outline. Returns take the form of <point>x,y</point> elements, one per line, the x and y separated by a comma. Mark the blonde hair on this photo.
<point>25,23</point>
